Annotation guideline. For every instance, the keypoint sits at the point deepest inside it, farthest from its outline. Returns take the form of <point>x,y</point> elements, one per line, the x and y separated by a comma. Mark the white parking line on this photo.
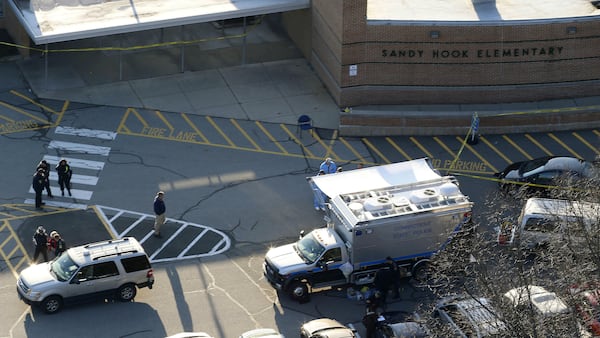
<point>59,204</point>
<point>79,148</point>
<point>76,178</point>
<point>77,194</point>
<point>101,134</point>
<point>75,162</point>
<point>137,219</point>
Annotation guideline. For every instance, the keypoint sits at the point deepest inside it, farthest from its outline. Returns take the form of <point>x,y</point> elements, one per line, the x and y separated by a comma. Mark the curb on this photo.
<point>377,123</point>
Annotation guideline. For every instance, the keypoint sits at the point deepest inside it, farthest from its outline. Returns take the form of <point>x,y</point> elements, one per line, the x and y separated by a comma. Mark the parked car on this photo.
<point>542,172</point>
<point>262,333</point>
<point>400,324</point>
<point>326,328</point>
<point>587,299</point>
<point>545,220</point>
<point>469,317</point>
<point>544,302</point>
<point>108,269</point>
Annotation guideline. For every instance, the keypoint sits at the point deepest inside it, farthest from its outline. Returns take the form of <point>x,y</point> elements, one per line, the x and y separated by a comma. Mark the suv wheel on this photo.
<point>52,304</point>
<point>126,292</point>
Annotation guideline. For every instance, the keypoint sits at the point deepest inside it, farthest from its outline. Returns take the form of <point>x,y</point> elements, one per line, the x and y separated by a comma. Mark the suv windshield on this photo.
<point>309,248</point>
<point>63,267</point>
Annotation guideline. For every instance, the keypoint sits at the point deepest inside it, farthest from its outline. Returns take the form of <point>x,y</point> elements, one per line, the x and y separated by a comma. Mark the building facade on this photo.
<point>368,62</point>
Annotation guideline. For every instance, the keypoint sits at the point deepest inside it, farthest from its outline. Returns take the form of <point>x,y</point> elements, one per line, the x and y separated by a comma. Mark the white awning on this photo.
<point>373,178</point>
<point>63,20</point>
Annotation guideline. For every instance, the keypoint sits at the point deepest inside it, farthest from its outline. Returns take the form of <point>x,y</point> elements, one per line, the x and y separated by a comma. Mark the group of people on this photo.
<point>386,279</point>
<point>41,180</point>
<point>45,243</point>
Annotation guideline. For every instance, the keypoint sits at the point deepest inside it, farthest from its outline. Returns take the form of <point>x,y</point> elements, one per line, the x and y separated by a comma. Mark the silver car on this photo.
<point>108,269</point>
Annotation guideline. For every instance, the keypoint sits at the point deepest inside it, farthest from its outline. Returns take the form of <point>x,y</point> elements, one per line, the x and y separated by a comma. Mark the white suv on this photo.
<point>108,269</point>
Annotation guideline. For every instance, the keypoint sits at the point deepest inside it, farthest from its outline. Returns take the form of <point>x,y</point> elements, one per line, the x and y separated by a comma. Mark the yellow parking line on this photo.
<point>33,102</point>
<point>496,150</point>
<point>62,112</point>
<point>584,141</point>
<point>295,139</point>
<point>596,132</point>
<point>557,140</point>
<point>6,118</point>
<point>165,121</point>
<point>534,141</point>
<point>237,125</point>
<point>140,118</point>
<point>398,149</point>
<point>266,132</point>
<point>414,140</point>
<point>214,124</point>
<point>328,149</point>
<point>21,111</point>
<point>516,146</point>
<point>351,148</point>
<point>332,141</point>
<point>370,145</point>
<point>18,245</point>
<point>436,139</point>
<point>193,126</point>
<point>488,164</point>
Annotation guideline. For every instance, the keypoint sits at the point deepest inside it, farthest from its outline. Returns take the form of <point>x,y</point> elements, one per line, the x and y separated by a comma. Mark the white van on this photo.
<point>108,269</point>
<point>544,219</point>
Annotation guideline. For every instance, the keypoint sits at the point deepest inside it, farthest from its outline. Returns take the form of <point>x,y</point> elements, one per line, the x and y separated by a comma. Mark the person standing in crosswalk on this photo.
<point>46,168</point>
<point>160,212</point>
<point>64,176</point>
<point>38,185</point>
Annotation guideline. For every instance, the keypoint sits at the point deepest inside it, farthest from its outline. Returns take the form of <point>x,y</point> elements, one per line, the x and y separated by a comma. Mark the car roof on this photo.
<point>409,329</point>
<point>563,163</point>
<point>558,207</point>
<point>191,335</point>
<point>262,333</point>
<point>478,311</point>
<point>88,253</point>
<point>334,328</point>
<point>546,302</point>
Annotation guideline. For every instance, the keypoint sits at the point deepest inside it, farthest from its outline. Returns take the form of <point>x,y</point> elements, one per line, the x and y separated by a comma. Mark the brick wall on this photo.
<point>403,63</point>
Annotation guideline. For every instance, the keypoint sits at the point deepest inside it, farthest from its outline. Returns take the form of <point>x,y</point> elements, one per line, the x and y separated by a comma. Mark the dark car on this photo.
<point>542,173</point>
<point>396,324</point>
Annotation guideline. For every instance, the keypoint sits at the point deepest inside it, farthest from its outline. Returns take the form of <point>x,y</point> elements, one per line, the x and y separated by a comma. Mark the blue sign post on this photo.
<point>474,139</point>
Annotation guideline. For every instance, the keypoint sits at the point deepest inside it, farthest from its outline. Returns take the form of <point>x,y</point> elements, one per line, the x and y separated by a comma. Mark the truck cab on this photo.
<point>316,259</point>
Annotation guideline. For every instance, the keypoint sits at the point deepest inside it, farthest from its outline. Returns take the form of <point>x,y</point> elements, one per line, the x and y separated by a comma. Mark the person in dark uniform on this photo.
<point>370,321</point>
<point>383,281</point>
<point>64,176</point>
<point>394,276</point>
<point>46,168</point>
<point>38,185</point>
<point>40,240</point>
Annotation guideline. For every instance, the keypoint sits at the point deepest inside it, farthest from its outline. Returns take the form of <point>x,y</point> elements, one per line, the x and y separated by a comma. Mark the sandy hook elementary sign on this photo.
<point>546,51</point>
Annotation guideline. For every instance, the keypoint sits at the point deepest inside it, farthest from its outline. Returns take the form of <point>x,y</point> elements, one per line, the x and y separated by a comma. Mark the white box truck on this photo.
<point>405,210</point>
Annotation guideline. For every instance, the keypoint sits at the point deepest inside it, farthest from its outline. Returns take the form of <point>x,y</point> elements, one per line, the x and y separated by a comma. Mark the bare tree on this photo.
<point>567,264</point>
